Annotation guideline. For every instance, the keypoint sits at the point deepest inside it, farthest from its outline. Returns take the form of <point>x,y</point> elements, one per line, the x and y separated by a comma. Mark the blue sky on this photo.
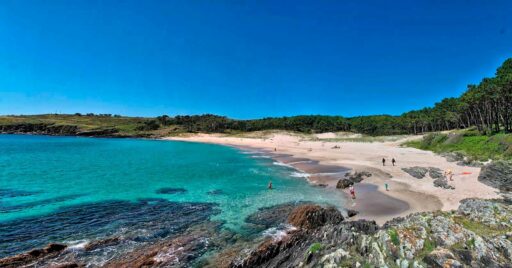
<point>245,59</point>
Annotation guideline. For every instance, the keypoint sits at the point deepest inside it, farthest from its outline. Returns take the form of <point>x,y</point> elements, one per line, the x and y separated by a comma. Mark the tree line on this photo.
<point>486,106</point>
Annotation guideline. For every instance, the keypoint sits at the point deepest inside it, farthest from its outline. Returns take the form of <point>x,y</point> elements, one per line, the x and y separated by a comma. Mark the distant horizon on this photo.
<point>135,116</point>
<point>245,60</point>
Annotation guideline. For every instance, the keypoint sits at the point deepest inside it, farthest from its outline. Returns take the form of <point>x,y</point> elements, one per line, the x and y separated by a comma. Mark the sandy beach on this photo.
<point>326,165</point>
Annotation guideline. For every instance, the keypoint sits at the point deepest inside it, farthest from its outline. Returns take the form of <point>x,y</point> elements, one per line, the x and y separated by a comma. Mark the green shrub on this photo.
<point>453,138</point>
<point>315,247</point>
<point>393,234</point>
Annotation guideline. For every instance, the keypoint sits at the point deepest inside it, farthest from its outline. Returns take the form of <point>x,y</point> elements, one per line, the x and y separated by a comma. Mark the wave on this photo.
<point>298,174</point>
<point>283,164</point>
<point>261,156</point>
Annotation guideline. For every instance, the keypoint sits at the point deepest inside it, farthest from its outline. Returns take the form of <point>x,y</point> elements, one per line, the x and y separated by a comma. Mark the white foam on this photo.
<point>282,164</point>
<point>168,256</point>
<point>261,156</point>
<point>77,245</point>
<point>278,233</point>
<point>300,174</point>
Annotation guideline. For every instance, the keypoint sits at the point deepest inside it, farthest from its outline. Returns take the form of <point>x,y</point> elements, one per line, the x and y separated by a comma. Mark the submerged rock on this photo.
<point>416,172</point>
<point>168,190</point>
<point>272,216</point>
<point>215,192</point>
<point>314,216</point>
<point>178,251</point>
<point>497,174</point>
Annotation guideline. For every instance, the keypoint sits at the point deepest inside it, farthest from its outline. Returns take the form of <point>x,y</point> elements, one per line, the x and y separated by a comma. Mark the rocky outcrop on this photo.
<point>463,238</point>
<point>102,243</point>
<point>352,178</point>
<point>267,217</point>
<point>416,172</point>
<point>421,172</point>
<point>435,173</point>
<point>314,216</point>
<point>443,183</point>
<point>109,132</point>
<point>32,256</point>
<point>344,183</point>
<point>497,174</point>
<point>351,213</point>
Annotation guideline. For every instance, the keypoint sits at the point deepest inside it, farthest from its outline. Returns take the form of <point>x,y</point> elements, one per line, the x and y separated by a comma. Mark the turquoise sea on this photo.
<point>68,189</point>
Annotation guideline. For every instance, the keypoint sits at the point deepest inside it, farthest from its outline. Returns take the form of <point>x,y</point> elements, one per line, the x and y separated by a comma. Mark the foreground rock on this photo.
<point>497,174</point>
<point>314,216</point>
<point>32,256</point>
<point>179,251</point>
<point>479,234</point>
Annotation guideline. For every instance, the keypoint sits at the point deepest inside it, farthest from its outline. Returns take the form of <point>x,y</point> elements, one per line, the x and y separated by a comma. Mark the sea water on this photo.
<point>62,189</point>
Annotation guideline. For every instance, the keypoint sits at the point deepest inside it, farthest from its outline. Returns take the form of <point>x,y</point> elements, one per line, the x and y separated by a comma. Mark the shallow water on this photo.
<point>72,189</point>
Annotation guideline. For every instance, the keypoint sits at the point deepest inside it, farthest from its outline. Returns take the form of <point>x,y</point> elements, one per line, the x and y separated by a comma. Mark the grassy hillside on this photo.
<point>122,126</point>
<point>468,142</point>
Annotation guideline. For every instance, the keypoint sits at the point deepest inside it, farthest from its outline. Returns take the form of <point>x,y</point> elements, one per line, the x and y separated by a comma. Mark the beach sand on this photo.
<point>327,165</point>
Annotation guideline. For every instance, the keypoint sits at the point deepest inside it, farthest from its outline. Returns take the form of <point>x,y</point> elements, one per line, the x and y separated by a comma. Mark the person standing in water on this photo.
<point>383,161</point>
<point>270,185</point>
<point>393,161</point>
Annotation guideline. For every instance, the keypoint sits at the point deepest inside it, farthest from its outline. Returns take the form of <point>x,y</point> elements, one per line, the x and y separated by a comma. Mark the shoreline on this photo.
<point>406,195</point>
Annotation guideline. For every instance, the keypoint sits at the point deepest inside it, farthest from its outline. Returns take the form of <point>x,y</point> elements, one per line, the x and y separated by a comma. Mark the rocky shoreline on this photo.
<point>478,234</point>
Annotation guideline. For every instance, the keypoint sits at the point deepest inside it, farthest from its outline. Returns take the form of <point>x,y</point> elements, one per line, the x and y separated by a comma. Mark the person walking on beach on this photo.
<point>393,161</point>
<point>386,185</point>
<point>383,161</point>
<point>352,192</point>
<point>270,185</point>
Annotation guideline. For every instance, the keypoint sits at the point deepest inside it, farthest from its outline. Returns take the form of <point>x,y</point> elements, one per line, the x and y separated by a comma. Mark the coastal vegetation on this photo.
<point>467,143</point>
<point>487,107</point>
